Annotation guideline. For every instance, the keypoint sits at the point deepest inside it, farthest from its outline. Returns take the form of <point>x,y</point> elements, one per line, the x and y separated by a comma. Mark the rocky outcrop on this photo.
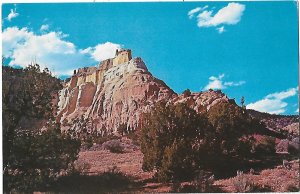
<point>118,91</point>
<point>201,101</point>
<point>112,94</point>
<point>292,129</point>
<point>122,56</point>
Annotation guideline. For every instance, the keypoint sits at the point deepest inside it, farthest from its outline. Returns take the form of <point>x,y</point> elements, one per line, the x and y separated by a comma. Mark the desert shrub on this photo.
<point>174,141</point>
<point>242,183</point>
<point>114,146</point>
<point>103,139</point>
<point>81,167</point>
<point>203,183</point>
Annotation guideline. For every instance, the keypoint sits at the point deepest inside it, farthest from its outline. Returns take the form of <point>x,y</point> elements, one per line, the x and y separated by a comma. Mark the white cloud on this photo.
<point>102,51</point>
<point>12,37</point>
<point>273,103</point>
<point>192,12</point>
<point>297,110</point>
<point>284,94</point>
<point>215,83</point>
<point>234,83</point>
<point>13,14</point>
<point>44,27</point>
<point>231,14</point>
<point>51,50</point>
<point>221,29</point>
<point>272,106</point>
<point>218,83</point>
<point>228,15</point>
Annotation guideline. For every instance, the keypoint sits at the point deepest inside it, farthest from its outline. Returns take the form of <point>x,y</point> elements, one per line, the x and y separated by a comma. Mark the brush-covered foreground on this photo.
<point>105,171</point>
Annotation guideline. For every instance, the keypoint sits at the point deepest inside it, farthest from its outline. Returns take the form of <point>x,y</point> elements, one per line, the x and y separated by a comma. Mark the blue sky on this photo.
<point>245,48</point>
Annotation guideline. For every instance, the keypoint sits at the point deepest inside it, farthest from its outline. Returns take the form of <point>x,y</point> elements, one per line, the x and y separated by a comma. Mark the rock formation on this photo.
<point>117,92</point>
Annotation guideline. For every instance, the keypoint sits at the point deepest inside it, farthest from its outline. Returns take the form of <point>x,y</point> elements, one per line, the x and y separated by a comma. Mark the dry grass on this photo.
<point>128,163</point>
<point>279,179</point>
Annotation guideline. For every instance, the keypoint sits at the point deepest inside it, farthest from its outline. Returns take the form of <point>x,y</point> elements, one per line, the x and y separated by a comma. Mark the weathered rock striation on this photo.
<point>117,92</point>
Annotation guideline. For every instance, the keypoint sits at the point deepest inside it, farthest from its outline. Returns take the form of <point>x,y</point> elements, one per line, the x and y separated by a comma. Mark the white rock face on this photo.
<point>63,99</point>
<point>130,67</point>
<point>119,95</point>
<point>119,99</point>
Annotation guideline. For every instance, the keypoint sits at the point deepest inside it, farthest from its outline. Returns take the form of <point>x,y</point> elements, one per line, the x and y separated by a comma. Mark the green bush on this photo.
<point>32,157</point>
<point>232,128</point>
<point>82,168</point>
<point>37,159</point>
<point>174,141</point>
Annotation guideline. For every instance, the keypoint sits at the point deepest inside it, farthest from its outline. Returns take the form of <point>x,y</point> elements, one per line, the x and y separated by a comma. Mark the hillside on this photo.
<point>274,121</point>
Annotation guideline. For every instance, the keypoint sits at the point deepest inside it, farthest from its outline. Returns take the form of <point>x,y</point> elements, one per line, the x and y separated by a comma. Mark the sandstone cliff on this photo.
<point>117,92</point>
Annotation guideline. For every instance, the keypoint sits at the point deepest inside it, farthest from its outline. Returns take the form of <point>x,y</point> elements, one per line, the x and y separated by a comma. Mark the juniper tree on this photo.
<point>34,156</point>
<point>174,141</point>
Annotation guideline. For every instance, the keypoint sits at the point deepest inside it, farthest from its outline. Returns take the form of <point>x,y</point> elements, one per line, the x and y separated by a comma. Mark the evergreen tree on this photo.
<point>232,126</point>
<point>31,156</point>
<point>174,140</point>
<point>187,93</point>
<point>243,102</point>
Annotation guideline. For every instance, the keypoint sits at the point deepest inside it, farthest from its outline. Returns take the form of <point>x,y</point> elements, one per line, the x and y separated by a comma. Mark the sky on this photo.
<point>245,49</point>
